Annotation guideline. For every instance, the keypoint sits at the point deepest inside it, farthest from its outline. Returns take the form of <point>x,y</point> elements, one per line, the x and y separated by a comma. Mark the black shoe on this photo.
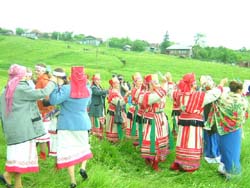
<point>3,181</point>
<point>72,185</point>
<point>83,174</point>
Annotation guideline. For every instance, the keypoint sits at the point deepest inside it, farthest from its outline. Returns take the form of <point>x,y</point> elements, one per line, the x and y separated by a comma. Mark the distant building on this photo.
<point>127,47</point>
<point>6,32</point>
<point>154,47</point>
<point>180,50</point>
<point>90,40</point>
<point>30,35</point>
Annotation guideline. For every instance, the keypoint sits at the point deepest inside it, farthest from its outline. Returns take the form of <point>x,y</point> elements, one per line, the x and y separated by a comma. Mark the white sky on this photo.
<point>224,22</point>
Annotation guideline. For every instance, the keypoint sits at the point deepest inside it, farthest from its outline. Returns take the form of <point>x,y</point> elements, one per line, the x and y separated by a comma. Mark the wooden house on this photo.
<point>179,50</point>
<point>90,40</point>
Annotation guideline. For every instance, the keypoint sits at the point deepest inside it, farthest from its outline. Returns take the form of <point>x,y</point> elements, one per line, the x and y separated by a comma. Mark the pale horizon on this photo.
<point>224,23</point>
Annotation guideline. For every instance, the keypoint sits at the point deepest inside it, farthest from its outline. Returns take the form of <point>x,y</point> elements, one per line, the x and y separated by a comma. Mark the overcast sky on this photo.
<point>224,22</point>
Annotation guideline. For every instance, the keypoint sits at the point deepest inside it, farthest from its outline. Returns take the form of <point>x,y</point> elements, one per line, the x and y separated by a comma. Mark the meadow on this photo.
<point>119,165</point>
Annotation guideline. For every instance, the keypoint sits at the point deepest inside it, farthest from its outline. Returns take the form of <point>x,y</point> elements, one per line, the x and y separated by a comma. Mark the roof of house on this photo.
<point>179,47</point>
<point>89,37</point>
<point>126,46</point>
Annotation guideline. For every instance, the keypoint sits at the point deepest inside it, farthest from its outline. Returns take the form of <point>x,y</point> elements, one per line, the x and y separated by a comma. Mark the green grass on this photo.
<point>118,165</point>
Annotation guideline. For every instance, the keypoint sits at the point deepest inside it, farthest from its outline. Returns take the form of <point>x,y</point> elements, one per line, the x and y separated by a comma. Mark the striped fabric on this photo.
<point>193,106</point>
<point>160,138</point>
<point>97,126</point>
<point>130,117</point>
<point>111,127</point>
<point>189,147</point>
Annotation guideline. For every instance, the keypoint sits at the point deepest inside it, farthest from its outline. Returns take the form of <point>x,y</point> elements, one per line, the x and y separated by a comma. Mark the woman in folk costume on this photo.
<point>73,124</point>
<point>41,82</point>
<point>116,117</point>
<point>155,143</point>
<point>176,111</point>
<point>132,125</point>
<point>189,140</point>
<point>211,147</point>
<point>228,114</point>
<point>97,106</point>
<point>61,77</point>
<point>21,128</point>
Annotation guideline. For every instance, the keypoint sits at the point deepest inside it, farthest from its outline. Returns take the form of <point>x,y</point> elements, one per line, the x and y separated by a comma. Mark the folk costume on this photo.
<point>176,109</point>
<point>190,131</point>
<point>97,106</point>
<point>155,143</point>
<point>211,137</point>
<point>116,116</point>
<point>21,128</point>
<point>228,114</point>
<point>73,123</point>
<point>132,129</point>
<point>41,82</point>
<point>60,74</point>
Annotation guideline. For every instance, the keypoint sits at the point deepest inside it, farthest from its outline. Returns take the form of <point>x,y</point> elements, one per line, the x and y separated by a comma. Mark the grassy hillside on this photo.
<point>118,165</point>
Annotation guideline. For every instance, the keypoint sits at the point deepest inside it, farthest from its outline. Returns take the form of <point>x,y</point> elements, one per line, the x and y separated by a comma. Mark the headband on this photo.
<point>59,74</point>
<point>40,68</point>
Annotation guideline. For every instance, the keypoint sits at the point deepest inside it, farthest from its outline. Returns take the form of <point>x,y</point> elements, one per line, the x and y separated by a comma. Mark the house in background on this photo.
<point>154,47</point>
<point>90,40</point>
<point>30,35</point>
<point>180,50</point>
<point>127,47</point>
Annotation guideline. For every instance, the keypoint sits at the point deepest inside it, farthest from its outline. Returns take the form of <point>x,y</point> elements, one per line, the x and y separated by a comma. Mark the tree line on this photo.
<point>200,50</point>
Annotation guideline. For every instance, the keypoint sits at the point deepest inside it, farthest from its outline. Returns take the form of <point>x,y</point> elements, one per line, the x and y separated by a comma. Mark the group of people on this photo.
<point>29,114</point>
<point>207,119</point>
<point>62,112</point>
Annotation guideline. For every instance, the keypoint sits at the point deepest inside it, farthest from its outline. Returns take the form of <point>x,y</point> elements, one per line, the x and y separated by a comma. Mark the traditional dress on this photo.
<point>190,132</point>
<point>176,110</point>
<point>132,129</point>
<point>41,82</point>
<point>97,108</point>
<point>73,121</point>
<point>211,145</point>
<point>155,143</point>
<point>53,131</point>
<point>229,114</point>
<point>114,130</point>
<point>18,99</point>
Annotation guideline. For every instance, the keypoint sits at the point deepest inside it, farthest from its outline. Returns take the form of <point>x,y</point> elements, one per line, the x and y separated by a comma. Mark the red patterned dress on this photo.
<point>114,132</point>
<point>155,143</point>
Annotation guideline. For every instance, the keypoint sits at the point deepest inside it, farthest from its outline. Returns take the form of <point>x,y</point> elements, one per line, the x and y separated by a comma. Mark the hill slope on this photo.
<point>118,165</point>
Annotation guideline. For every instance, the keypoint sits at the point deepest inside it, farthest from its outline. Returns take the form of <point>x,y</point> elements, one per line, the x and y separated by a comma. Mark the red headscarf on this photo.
<point>16,74</point>
<point>187,82</point>
<point>78,83</point>
<point>113,81</point>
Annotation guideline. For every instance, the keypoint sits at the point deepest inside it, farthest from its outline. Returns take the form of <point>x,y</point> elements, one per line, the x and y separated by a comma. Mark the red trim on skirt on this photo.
<point>71,163</point>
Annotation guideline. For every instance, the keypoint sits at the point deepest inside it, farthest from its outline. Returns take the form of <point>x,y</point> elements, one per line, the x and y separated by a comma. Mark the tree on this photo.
<point>45,35</point>
<point>79,37</point>
<point>199,39</point>
<point>166,43</point>
<point>139,45</point>
<point>56,35</point>
<point>119,43</point>
<point>67,36</point>
<point>20,31</point>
